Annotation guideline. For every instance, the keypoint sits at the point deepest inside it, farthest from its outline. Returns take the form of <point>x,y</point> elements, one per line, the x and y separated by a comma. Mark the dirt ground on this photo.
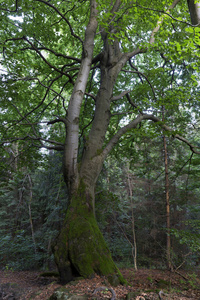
<point>144,283</point>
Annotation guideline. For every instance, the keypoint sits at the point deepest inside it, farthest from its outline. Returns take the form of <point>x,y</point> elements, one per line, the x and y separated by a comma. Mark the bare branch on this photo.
<point>122,113</point>
<point>32,126</point>
<point>14,39</point>
<point>36,49</point>
<point>116,6</point>
<point>56,148</point>
<point>91,95</point>
<point>58,120</point>
<point>126,93</point>
<point>177,136</point>
<point>115,98</point>
<point>97,58</point>
<point>182,167</point>
<point>127,56</point>
<point>49,141</point>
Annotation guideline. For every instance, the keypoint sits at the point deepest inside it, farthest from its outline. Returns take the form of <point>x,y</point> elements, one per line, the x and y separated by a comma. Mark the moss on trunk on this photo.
<point>80,248</point>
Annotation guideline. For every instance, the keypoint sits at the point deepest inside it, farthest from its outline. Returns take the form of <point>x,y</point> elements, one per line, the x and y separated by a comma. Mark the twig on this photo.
<point>102,288</point>
<point>161,293</point>
<point>140,73</point>
<point>63,17</point>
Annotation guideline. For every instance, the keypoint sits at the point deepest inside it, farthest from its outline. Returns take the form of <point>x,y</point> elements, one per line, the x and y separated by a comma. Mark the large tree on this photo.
<point>93,71</point>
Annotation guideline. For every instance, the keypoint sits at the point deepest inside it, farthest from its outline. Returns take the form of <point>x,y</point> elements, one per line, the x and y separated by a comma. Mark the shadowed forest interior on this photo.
<point>99,137</point>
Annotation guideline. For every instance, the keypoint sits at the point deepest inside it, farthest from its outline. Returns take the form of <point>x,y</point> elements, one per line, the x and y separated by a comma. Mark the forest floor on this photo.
<point>146,283</point>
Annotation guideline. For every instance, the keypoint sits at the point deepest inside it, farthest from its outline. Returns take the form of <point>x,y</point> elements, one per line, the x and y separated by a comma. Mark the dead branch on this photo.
<point>102,288</point>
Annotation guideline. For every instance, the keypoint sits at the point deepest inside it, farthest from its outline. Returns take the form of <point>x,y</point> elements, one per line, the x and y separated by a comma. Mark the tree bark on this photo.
<point>80,248</point>
<point>168,251</point>
<point>72,121</point>
<point>134,245</point>
<point>194,9</point>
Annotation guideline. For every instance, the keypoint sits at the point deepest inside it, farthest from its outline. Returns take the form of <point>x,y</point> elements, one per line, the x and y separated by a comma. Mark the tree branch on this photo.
<point>10,11</point>
<point>168,14</point>
<point>90,95</point>
<point>126,93</point>
<point>194,8</point>
<point>33,138</point>
<point>133,67</point>
<point>56,148</point>
<point>177,136</point>
<point>48,89</point>
<point>128,55</point>
<point>58,120</point>
<point>140,73</point>
<point>160,21</point>
<point>133,104</point>
<point>115,98</point>
<point>97,58</point>
<point>133,124</point>
<point>44,59</point>
<point>63,17</point>
<point>121,113</point>
<point>54,52</point>
<point>114,140</point>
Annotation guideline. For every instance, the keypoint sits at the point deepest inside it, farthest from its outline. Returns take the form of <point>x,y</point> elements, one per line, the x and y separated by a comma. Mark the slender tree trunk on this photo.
<point>167,206</point>
<point>167,201</point>
<point>134,251</point>
<point>30,213</point>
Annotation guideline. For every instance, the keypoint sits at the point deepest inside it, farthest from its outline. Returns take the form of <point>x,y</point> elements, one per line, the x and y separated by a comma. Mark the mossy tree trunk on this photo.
<point>80,248</point>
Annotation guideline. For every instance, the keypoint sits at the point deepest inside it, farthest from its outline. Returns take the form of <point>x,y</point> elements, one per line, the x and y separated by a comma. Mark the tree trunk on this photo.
<point>194,9</point>
<point>169,263</point>
<point>80,248</point>
<point>167,206</point>
<point>134,246</point>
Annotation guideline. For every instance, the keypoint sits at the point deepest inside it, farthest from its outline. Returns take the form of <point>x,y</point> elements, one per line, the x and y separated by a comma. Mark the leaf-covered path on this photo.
<point>146,283</point>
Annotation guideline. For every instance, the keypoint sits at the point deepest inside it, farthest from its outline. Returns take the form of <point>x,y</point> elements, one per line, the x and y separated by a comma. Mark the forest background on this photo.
<point>147,193</point>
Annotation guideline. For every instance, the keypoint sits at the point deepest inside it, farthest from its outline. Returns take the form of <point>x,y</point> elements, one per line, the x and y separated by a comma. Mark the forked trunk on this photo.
<point>80,249</point>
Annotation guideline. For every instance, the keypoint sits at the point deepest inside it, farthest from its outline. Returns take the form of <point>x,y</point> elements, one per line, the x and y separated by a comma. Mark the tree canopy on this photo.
<point>42,44</point>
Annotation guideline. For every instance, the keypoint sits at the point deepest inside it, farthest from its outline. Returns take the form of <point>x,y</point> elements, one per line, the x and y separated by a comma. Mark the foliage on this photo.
<point>147,175</point>
<point>20,248</point>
